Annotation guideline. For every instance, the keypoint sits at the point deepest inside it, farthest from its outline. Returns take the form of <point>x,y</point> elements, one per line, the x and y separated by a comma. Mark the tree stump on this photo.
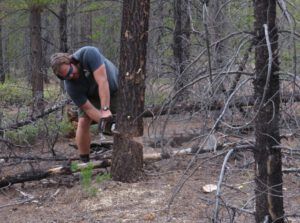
<point>127,162</point>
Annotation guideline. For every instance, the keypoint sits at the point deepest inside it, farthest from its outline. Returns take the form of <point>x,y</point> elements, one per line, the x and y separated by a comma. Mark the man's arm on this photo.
<point>91,111</point>
<point>103,88</point>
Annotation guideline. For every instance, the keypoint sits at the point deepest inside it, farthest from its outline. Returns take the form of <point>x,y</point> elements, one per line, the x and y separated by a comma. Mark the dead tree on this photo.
<point>268,168</point>
<point>127,161</point>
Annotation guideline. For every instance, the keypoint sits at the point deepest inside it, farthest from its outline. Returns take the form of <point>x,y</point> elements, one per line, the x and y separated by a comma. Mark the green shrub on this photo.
<point>27,134</point>
<point>103,177</point>
<point>65,127</point>
<point>47,127</point>
<point>51,91</point>
<point>15,93</point>
<point>86,178</point>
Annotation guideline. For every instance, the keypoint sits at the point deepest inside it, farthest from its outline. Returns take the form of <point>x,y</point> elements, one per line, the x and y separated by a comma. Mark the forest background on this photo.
<point>201,71</point>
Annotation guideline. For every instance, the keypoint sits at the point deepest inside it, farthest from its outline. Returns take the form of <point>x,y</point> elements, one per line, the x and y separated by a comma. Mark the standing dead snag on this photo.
<point>127,158</point>
<point>268,168</point>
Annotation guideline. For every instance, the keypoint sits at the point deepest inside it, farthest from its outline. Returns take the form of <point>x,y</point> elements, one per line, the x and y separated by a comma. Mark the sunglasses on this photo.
<point>67,77</point>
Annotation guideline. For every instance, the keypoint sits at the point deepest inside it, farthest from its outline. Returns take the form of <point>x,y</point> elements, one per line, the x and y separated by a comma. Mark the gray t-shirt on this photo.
<point>85,87</point>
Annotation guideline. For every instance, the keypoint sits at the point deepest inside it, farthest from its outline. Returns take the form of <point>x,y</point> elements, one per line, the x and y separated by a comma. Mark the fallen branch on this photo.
<point>35,118</point>
<point>291,170</point>
<point>218,193</point>
<point>17,203</point>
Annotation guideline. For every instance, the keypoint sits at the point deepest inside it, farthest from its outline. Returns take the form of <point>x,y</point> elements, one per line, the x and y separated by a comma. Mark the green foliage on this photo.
<point>64,127</point>
<point>86,178</point>
<point>48,127</point>
<point>243,14</point>
<point>103,177</point>
<point>16,102</point>
<point>27,134</point>
<point>74,166</point>
<point>51,92</point>
<point>106,29</point>
<point>13,93</point>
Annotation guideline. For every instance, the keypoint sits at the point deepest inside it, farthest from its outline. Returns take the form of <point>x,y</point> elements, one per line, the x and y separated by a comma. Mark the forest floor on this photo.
<point>64,198</point>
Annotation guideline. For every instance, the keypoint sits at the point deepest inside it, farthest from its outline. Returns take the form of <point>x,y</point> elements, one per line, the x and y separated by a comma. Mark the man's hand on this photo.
<point>105,125</point>
<point>105,114</point>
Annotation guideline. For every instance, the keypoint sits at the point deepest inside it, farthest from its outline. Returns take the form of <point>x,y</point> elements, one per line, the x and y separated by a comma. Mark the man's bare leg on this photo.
<point>83,137</point>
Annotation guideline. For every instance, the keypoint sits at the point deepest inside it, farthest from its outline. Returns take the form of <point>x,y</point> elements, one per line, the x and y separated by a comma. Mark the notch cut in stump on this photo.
<point>127,161</point>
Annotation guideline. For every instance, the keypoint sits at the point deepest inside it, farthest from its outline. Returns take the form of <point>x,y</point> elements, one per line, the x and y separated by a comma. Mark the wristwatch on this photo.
<point>105,108</point>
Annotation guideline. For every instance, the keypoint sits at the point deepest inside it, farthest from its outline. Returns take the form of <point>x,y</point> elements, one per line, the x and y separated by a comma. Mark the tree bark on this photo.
<point>181,42</point>
<point>45,47</point>
<point>268,171</point>
<point>36,57</point>
<point>134,37</point>
<point>2,74</point>
<point>127,165</point>
<point>63,38</point>
<point>85,27</point>
<point>73,19</point>
<point>63,32</point>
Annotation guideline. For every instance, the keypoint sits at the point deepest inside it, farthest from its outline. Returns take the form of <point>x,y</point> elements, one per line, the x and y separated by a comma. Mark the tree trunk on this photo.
<point>134,37</point>
<point>268,171</point>
<point>63,38</point>
<point>181,42</point>
<point>6,63</point>
<point>46,36</point>
<point>63,31</point>
<point>73,24</point>
<point>127,156</point>
<point>2,74</point>
<point>85,27</point>
<point>217,29</point>
<point>36,57</point>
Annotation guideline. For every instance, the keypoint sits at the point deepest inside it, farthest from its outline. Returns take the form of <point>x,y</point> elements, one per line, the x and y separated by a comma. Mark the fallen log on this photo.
<point>60,170</point>
<point>152,157</point>
<point>40,174</point>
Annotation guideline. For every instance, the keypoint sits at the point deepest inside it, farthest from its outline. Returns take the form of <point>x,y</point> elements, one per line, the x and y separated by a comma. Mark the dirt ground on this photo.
<point>64,199</point>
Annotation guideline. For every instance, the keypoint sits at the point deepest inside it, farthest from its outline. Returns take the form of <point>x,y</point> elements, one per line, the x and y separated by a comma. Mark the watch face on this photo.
<point>105,108</point>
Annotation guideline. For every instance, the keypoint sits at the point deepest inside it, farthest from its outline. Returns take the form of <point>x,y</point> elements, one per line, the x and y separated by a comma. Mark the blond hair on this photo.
<point>58,59</point>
